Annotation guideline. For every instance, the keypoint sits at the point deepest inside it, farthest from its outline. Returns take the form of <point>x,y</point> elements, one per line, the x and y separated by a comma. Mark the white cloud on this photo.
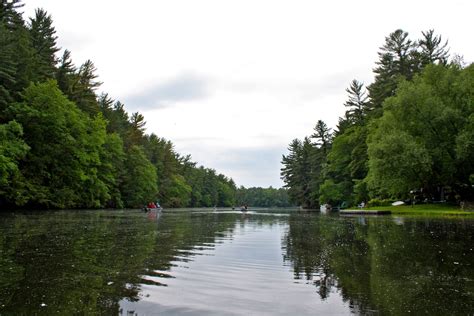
<point>185,87</point>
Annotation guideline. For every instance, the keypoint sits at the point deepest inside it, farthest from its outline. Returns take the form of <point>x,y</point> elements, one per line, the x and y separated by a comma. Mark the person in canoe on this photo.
<point>149,206</point>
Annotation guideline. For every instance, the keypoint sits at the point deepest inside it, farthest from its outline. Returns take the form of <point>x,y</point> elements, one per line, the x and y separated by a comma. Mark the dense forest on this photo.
<point>263,197</point>
<point>62,145</point>
<point>407,135</point>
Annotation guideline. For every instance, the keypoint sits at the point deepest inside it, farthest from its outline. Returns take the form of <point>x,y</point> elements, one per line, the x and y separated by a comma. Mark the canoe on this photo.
<point>148,209</point>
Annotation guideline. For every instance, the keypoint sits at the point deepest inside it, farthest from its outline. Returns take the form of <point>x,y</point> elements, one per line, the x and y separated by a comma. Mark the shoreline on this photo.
<point>424,209</point>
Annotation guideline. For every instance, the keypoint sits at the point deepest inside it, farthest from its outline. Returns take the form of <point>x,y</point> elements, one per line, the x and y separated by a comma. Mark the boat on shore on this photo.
<point>325,208</point>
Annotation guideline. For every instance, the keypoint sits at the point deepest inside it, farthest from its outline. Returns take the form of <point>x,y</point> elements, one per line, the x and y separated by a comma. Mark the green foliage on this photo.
<point>322,135</point>
<point>263,197</point>
<point>299,171</point>
<point>400,59</point>
<point>226,194</point>
<point>347,163</point>
<point>43,41</point>
<point>7,68</point>
<point>65,74</point>
<point>16,55</point>
<point>77,149</point>
<point>432,49</point>
<point>12,150</point>
<point>62,164</point>
<point>414,131</point>
<point>178,192</point>
<point>83,88</point>
<point>361,191</point>
<point>414,143</point>
<point>290,173</point>
<point>331,193</point>
<point>357,102</point>
<point>112,168</point>
<point>397,163</point>
<point>140,180</point>
<point>395,63</point>
<point>379,202</point>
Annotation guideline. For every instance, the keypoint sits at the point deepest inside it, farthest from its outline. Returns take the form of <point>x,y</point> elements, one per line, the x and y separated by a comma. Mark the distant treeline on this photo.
<point>263,197</point>
<point>408,135</point>
<point>64,146</point>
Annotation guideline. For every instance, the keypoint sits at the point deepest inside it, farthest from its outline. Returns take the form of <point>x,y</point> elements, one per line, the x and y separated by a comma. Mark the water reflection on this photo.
<point>70,262</point>
<point>205,262</point>
<point>242,272</point>
<point>386,265</point>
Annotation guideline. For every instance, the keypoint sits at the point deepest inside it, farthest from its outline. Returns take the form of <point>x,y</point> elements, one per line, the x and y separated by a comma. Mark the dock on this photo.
<point>365,212</point>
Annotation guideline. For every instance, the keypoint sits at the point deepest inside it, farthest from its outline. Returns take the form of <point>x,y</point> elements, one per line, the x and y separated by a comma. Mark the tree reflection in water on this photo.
<point>87,262</point>
<point>386,265</point>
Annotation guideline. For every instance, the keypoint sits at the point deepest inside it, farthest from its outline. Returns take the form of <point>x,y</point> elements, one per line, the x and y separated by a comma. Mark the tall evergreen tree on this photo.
<point>7,70</point>
<point>66,74</point>
<point>9,15</point>
<point>15,50</point>
<point>24,56</point>
<point>432,49</point>
<point>43,41</point>
<point>394,63</point>
<point>136,131</point>
<point>115,114</point>
<point>290,172</point>
<point>83,90</point>
<point>357,102</point>
<point>323,136</point>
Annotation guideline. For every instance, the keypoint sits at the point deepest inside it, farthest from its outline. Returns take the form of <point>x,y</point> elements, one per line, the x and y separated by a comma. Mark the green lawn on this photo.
<point>424,209</point>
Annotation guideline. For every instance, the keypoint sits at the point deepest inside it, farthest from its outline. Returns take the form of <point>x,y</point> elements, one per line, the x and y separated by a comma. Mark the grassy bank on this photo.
<point>425,209</point>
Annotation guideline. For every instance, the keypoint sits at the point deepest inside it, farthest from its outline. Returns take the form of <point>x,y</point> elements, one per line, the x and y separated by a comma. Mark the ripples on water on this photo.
<point>201,262</point>
<point>242,272</point>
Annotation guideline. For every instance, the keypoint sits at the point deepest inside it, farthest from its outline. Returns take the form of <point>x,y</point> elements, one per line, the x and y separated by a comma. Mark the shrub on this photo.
<point>379,202</point>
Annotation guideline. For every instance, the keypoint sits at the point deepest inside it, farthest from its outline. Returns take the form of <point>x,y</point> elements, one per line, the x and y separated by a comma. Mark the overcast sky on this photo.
<point>233,82</point>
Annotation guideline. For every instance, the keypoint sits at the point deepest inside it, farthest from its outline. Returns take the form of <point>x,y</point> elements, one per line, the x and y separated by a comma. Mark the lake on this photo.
<point>224,262</point>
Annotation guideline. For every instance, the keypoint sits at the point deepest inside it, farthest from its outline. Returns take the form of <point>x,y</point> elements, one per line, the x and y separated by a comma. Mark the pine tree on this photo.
<point>395,62</point>
<point>290,173</point>
<point>83,90</point>
<point>136,131</point>
<point>9,14</point>
<point>66,74</point>
<point>323,136</point>
<point>7,70</point>
<point>43,40</point>
<point>15,52</point>
<point>24,56</point>
<point>432,51</point>
<point>357,102</point>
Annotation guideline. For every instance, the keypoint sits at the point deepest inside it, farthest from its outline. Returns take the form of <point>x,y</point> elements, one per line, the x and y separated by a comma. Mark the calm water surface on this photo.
<point>265,262</point>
